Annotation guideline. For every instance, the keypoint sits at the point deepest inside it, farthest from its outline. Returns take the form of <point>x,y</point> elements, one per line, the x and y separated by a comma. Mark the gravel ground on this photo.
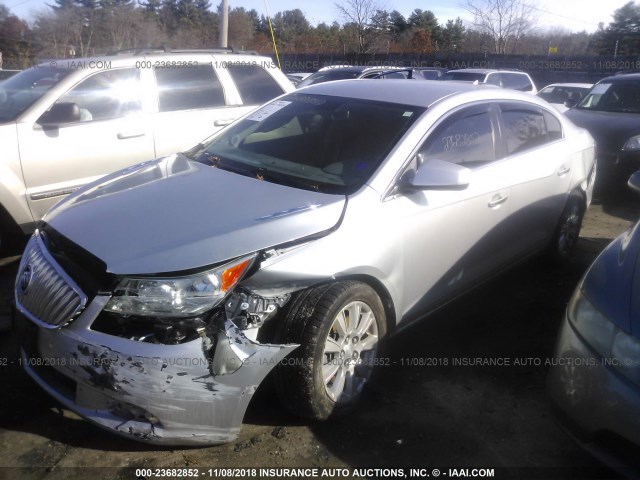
<point>424,412</point>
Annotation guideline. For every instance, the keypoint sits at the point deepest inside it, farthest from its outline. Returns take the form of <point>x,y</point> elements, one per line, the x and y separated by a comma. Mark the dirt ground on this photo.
<point>421,414</point>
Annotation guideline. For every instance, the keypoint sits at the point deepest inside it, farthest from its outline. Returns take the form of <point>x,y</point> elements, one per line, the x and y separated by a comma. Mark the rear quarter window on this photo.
<point>254,83</point>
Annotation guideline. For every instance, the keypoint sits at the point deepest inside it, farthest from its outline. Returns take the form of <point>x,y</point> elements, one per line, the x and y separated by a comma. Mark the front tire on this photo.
<point>340,328</point>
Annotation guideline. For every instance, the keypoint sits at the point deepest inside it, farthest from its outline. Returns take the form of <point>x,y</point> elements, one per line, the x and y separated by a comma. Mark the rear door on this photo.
<point>539,161</point>
<point>192,104</point>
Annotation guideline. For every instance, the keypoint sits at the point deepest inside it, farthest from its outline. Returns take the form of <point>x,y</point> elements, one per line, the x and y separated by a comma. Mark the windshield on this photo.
<point>22,90</point>
<point>328,76</point>
<point>619,96</point>
<point>315,142</point>
<point>464,76</point>
<point>561,93</point>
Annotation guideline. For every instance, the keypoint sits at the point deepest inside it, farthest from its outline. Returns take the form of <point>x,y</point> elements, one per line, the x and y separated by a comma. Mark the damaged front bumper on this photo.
<point>190,393</point>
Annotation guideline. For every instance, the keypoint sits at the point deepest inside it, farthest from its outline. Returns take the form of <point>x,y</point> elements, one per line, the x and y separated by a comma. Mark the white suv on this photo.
<point>68,122</point>
<point>514,79</point>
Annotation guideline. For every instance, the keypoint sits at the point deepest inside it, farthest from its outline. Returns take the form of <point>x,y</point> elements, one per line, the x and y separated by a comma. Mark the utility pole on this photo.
<point>224,24</point>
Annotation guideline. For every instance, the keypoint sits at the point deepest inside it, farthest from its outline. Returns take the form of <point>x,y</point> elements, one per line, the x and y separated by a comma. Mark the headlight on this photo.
<point>178,296</point>
<point>617,349</point>
<point>633,143</point>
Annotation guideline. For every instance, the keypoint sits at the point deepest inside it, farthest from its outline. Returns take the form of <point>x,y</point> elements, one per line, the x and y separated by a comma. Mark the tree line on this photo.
<point>80,28</point>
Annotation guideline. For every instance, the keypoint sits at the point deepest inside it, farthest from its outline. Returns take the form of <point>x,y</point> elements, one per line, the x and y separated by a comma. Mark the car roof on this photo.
<point>486,70</point>
<point>128,58</point>
<point>473,70</point>
<point>355,68</point>
<point>406,92</point>
<point>623,77</point>
<point>576,85</point>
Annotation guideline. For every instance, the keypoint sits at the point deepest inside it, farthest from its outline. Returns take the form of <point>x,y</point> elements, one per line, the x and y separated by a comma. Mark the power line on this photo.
<point>533,7</point>
<point>18,4</point>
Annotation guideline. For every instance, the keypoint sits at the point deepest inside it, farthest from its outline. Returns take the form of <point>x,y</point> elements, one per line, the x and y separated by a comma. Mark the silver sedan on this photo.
<point>156,300</point>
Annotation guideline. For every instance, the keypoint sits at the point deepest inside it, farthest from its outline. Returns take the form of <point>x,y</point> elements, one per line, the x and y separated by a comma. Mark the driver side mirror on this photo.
<point>437,174</point>
<point>60,113</point>
<point>570,102</point>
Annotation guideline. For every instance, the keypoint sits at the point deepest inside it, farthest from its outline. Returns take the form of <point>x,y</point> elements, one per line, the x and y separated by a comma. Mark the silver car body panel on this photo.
<point>234,215</point>
<point>168,394</point>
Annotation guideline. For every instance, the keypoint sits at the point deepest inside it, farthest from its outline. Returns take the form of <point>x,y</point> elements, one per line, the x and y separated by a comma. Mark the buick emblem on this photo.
<point>25,279</point>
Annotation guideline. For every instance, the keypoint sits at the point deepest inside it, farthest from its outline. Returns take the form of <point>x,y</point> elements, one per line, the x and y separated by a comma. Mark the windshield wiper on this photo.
<point>195,153</point>
<point>259,173</point>
<point>288,180</point>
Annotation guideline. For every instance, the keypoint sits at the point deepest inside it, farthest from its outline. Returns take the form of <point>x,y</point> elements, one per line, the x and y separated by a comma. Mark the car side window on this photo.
<point>106,95</point>
<point>494,79</point>
<point>188,88</point>
<point>466,138</point>
<point>516,81</point>
<point>371,74</point>
<point>255,85</point>
<point>524,128</point>
<point>554,127</point>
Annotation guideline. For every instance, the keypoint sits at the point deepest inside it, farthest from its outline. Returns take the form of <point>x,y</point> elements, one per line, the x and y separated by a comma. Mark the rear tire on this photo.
<point>567,232</point>
<point>340,328</point>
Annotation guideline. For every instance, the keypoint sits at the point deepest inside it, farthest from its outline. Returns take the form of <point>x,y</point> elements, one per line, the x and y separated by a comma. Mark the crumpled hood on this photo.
<point>612,283</point>
<point>610,130</point>
<point>174,214</point>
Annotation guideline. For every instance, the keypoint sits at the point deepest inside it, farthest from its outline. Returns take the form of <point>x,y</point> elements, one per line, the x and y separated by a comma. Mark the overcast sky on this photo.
<point>574,15</point>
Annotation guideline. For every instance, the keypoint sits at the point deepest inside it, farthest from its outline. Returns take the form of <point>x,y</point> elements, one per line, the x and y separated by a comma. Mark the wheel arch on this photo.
<point>578,192</point>
<point>271,331</point>
<point>382,292</point>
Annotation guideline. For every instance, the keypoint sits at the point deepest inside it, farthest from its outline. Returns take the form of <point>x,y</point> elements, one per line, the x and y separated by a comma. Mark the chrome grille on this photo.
<point>44,292</point>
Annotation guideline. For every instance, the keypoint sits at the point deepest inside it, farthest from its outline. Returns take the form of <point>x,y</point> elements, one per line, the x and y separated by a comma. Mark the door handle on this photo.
<point>497,200</point>
<point>131,134</point>
<point>223,122</point>
<point>563,171</point>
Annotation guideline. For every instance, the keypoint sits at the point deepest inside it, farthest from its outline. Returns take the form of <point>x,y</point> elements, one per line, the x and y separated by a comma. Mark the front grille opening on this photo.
<point>88,271</point>
<point>150,329</point>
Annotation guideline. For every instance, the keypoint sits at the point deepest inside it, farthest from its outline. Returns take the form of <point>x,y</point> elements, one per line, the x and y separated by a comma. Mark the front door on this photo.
<point>113,132</point>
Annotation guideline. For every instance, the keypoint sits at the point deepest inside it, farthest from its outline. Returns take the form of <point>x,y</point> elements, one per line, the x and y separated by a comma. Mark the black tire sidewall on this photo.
<point>556,254</point>
<point>355,292</point>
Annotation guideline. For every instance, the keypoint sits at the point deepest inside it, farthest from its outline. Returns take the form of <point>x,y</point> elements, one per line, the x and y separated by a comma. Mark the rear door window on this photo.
<point>188,88</point>
<point>525,128</point>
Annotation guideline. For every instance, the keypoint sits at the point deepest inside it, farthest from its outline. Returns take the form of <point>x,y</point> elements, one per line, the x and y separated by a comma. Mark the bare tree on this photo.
<point>506,21</point>
<point>57,32</point>
<point>358,14</point>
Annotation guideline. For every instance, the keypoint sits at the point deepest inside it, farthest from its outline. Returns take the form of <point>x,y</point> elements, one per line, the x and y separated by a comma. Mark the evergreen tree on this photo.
<point>622,36</point>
